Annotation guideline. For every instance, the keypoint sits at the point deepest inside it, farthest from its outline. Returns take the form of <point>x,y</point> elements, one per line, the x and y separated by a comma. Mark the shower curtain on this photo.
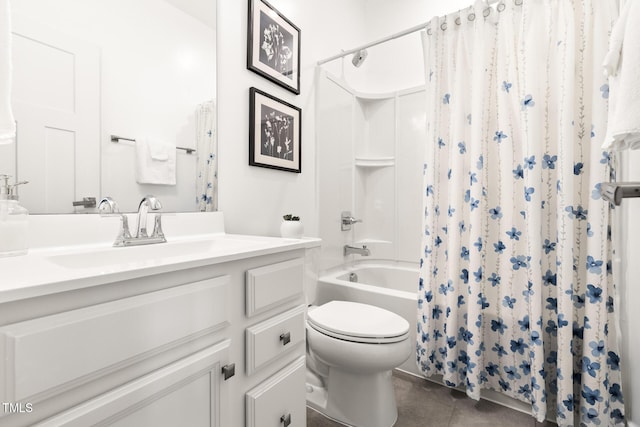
<point>207,149</point>
<point>516,291</point>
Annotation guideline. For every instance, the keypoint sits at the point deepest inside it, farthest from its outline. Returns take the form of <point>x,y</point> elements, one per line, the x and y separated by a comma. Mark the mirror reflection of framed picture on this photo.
<point>273,46</point>
<point>274,133</point>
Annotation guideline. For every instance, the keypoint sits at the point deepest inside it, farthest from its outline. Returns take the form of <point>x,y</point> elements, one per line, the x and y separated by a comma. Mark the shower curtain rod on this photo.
<point>391,37</point>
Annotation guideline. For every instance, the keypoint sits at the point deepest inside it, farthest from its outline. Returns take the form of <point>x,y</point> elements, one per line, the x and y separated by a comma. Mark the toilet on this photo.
<point>351,350</point>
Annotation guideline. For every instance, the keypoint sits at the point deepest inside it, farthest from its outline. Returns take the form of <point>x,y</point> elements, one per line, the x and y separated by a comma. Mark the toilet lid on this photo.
<point>358,322</point>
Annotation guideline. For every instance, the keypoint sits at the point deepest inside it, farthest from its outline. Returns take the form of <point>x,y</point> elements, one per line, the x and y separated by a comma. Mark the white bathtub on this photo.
<point>388,284</point>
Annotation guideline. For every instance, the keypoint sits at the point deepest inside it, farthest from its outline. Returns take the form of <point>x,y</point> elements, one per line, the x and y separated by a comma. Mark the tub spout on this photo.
<point>364,251</point>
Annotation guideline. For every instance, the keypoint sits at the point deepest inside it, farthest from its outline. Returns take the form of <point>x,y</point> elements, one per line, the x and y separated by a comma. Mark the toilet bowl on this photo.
<point>351,350</point>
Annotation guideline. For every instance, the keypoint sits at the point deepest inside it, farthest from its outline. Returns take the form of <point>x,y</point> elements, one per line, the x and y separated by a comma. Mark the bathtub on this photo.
<point>391,285</point>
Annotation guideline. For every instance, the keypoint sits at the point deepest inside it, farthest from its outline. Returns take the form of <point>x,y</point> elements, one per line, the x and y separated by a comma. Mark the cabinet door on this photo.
<point>189,392</point>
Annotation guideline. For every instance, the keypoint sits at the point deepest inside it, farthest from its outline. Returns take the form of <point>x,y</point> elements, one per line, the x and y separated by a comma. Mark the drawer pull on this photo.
<point>285,338</point>
<point>286,420</point>
<point>229,370</point>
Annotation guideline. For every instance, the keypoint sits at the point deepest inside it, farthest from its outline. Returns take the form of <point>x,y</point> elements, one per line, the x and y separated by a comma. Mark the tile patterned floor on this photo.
<point>423,403</point>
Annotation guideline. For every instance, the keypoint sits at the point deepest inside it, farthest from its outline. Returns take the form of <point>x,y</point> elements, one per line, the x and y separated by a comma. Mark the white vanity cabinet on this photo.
<point>154,350</point>
<point>274,295</point>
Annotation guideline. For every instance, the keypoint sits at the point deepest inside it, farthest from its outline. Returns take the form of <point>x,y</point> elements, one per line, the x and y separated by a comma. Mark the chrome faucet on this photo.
<point>149,202</point>
<point>364,251</point>
<point>108,207</point>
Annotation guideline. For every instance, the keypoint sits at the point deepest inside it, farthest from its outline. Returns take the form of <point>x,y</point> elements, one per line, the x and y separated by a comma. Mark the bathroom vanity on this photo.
<point>207,329</point>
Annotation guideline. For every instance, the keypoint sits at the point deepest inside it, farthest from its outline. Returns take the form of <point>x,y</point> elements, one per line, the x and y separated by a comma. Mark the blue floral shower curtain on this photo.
<point>207,149</point>
<point>516,292</point>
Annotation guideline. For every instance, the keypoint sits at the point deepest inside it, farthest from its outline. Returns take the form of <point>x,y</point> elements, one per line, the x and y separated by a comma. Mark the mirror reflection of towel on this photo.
<point>7,123</point>
<point>622,65</point>
<point>155,162</point>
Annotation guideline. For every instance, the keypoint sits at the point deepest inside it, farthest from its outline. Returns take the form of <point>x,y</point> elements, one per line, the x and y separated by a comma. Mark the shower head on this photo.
<point>359,57</point>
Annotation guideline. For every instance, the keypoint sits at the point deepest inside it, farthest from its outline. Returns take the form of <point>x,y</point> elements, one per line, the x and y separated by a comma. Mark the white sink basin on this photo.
<point>137,255</point>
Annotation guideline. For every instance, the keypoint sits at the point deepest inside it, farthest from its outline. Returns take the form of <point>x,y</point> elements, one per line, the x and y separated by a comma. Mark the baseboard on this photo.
<point>632,424</point>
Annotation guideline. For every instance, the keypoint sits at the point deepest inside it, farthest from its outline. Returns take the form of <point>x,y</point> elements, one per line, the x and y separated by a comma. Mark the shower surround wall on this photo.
<point>370,163</point>
<point>389,68</point>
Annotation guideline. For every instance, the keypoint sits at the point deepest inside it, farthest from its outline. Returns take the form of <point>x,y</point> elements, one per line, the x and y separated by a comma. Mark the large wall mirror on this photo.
<point>88,70</point>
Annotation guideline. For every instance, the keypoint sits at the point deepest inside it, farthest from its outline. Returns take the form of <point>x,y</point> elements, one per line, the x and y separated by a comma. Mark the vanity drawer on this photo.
<point>54,353</point>
<point>280,401</point>
<point>269,286</point>
<point>274,337</point>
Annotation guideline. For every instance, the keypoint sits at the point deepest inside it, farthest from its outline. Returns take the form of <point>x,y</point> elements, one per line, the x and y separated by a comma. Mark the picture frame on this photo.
<point>273,46</point>
<point>275,133</point>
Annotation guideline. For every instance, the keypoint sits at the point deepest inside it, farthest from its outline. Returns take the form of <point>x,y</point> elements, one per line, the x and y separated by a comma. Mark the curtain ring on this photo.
<point>429,32</point>
<point>457,21</point>
<point>518,2</point>
<point>486,12</point>
<point>443,26</point>
<point>501,6</point>
<point>471,16</point>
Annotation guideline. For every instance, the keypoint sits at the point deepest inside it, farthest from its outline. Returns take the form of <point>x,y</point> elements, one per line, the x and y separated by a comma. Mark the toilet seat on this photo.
<point>355,322</point>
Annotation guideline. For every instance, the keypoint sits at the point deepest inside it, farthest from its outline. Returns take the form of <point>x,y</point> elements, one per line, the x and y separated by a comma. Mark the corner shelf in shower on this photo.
<point>375,162</point>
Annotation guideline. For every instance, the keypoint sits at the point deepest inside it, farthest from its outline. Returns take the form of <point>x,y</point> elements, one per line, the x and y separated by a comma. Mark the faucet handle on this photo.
<point>347,220</point>
<point>124,234</point>
<point>151,201</point>
<point>157,228</point>
<point>108,207</point>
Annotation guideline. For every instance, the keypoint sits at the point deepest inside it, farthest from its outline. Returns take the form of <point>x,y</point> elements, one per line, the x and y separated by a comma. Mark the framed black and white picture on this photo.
<point>275,131</point>
<point>273,49</point>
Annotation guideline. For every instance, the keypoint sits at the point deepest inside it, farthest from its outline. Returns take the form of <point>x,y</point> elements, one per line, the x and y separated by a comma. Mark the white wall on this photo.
<point>253,198</point>
<point>397,64</point>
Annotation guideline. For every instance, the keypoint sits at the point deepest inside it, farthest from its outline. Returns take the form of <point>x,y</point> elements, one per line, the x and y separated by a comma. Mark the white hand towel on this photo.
<point>159,150</point>
<point>7,122</point>
<point>155,162</point>
<point>622,65</point>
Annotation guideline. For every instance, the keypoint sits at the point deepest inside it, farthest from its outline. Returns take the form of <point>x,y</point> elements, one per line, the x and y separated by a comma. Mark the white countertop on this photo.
<point>50,269</point>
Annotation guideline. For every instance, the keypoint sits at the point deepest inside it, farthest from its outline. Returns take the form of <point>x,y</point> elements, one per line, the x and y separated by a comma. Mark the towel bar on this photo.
<point>117,139</point>
<point>614,192</point>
